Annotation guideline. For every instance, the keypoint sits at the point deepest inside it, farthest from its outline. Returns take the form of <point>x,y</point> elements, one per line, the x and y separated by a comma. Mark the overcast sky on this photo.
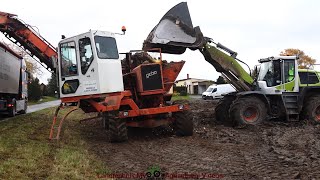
<point>253,28</point>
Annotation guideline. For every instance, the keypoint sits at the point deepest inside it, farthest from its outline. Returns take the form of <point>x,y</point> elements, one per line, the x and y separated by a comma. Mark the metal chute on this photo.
<point>175,32</point>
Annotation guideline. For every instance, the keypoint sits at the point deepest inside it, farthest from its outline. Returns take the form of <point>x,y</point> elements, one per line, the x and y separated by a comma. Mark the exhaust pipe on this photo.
<point>175,32</point>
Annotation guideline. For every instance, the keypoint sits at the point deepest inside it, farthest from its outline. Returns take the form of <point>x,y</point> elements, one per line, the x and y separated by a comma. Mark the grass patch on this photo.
<point>42,100</point>
<point>178,97</point>
<point>26,152</point>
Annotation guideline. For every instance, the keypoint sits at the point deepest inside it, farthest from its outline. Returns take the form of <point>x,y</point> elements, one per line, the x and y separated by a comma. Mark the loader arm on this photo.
<point>228,67</point>
<point>26,37</point>
<point>175,32</point>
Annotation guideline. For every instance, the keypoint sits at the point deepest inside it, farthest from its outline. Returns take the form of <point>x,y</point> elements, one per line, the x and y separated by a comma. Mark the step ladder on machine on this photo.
<point>290,100</point>
<point>57,124</point>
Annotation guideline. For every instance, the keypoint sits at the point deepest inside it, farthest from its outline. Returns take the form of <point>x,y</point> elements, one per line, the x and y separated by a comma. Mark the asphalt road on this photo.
<point>195,96</point>
<point>34,108</point>
<point>38,107</point>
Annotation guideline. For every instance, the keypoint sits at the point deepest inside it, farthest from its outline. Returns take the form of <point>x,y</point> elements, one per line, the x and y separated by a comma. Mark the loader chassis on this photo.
<point>130,92</point>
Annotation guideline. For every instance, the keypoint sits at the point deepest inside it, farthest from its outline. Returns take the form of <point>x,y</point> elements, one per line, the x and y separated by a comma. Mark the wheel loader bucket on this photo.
<point>175,32</point>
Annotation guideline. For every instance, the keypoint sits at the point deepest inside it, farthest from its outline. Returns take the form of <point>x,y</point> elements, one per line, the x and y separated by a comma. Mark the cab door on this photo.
<point>289,77</point>
<point>69,69</point>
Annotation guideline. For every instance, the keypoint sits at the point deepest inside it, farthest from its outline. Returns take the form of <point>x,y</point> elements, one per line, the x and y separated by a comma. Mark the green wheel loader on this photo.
<point>275,89</point>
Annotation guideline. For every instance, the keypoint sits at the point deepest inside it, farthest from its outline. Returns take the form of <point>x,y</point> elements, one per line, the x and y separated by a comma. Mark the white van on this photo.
<point>217,91</point>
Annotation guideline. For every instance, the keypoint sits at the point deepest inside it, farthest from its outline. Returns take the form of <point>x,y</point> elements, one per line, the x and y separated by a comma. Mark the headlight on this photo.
<point>181,106</point>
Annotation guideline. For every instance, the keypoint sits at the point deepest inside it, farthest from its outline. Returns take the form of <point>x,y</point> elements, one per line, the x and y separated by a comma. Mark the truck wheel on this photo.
<point>312,109</point>
<point>222,109</point>
<point>248,111</point>
<point>183,124</point>
<point>118,129</point>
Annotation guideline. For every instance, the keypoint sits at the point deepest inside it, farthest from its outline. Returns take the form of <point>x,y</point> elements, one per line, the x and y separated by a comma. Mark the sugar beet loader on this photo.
<point>276,89</point>
<point>91,77</point>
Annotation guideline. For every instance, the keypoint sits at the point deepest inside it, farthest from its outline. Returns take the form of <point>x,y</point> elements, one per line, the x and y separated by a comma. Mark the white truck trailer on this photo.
<point>13,82</point>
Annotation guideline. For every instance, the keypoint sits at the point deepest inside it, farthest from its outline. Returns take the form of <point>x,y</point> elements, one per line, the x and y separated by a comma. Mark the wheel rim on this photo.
<point>317,112</point>
<point>250,114</point>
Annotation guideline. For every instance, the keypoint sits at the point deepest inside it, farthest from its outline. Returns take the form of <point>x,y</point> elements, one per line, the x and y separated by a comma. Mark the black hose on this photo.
<point>244,64</point>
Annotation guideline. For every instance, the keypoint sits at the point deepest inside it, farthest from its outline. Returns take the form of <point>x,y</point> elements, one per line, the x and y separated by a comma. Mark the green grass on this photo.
<point>27,153</point>
<point>43,100</point>
<point>178,97</point>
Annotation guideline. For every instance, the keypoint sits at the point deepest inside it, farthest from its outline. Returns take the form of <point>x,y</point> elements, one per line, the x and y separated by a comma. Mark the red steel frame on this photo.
<point>113,102</point>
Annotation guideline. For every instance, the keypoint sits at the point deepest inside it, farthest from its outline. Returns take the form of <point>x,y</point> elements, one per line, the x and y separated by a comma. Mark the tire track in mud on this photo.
<point>271,151</point>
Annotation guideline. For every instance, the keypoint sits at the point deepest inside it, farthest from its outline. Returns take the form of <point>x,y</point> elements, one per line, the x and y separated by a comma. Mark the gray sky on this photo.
<point>253,28</point>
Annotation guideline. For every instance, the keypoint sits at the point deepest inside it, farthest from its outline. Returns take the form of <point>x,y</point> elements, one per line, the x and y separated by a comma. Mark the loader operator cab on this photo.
<point>278,74</point>
<point>89,64</point>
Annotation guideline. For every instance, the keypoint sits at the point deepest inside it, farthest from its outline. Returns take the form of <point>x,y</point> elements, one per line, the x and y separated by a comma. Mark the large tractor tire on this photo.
<point>105,120</point>
<point>183,124</point>
<point>118,129</point>
<point>222,109</point>
<point>248,110</point>
<point>311,110</point>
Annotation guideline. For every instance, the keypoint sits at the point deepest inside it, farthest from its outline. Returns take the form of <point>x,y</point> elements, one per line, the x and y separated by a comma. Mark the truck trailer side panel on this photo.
<point>10,67</point>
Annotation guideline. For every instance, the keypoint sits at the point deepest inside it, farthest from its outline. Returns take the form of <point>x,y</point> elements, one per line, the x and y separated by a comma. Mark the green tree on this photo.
<point>52,85</point>
<point>34,90</point>
<point>221,80</point>
<point>44,90</point>
<point>304,60</point>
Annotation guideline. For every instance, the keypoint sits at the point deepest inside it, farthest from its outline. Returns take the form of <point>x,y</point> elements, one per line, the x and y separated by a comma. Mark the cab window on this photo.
<point>106,47</point>
<point>308,78</point>
<point>86,55</point>
<point>289,70</point>
<point>68,59</point>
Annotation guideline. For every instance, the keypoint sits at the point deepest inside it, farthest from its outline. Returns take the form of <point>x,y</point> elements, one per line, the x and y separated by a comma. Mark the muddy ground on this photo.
<point>274,150</point>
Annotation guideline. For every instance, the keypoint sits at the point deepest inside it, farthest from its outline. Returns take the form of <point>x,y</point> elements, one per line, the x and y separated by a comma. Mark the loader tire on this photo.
<point>222,109</point>
<point>118,130</point>
<point>183,124</point>
<point>248,110</point>
<point>311,110</point>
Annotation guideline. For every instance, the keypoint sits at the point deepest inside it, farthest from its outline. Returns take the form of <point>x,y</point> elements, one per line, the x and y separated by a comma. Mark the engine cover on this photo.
<point>149,79</point>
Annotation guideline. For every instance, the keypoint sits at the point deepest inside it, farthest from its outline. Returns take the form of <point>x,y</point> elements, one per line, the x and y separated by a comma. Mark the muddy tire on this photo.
<point>222,109</point>
<point>248,110</point>
<point>183,124</point>
<point>118,130</point>
<point>311,111</point>
<point>105,120</point>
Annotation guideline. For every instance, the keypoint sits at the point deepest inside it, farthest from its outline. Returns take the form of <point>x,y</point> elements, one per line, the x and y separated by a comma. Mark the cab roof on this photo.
<point>275,58</point>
